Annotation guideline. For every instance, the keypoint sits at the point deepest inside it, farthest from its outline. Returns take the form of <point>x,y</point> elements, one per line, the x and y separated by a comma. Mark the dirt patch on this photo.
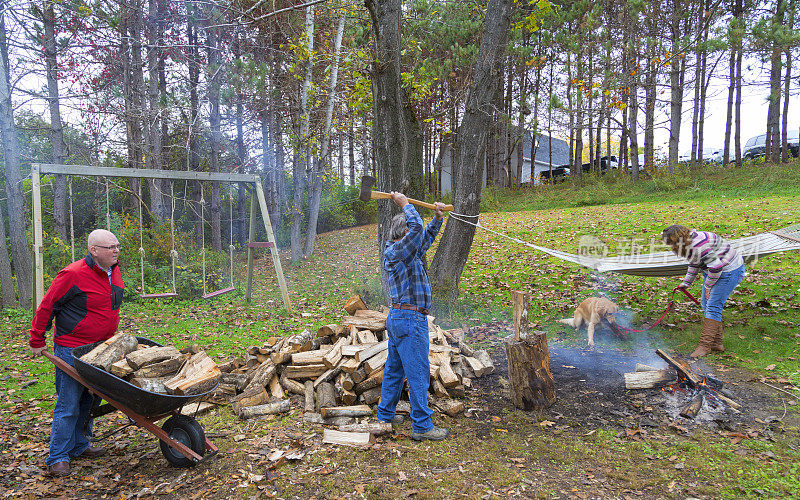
<point>591,393</point>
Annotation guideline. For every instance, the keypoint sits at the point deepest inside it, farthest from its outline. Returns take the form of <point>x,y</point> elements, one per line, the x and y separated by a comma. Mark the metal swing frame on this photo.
<point>39,169</point>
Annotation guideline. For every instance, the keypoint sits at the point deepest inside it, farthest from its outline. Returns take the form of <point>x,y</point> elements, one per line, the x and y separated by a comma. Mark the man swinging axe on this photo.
<point>407,324</point>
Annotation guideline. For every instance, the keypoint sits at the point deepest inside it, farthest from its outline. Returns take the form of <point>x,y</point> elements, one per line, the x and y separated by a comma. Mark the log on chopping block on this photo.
<point>292,386</point>
<point>531,382</point>
<point>111,350</point>
<point>366,193</point>
<point>309,396</point>
<point>282,406</point>
<point>520,302</point>
<point>353,304</point>
<point>648,379</point>
<point>485,360</point>
<point>374,428</point>
<point>694,407</point>
<point>346,411</point>
<point>326,396</point>
<point>252,397</point>
<point>120,368</point>
<point>354,439</point>
<point>275,388</point>
<point>199,374</point>
<point>372,351</point>
<point>162,368</point>
<point>144,357</point>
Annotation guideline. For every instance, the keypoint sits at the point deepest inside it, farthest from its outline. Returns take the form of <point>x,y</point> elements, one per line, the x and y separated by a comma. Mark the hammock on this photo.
<point>667,263</point>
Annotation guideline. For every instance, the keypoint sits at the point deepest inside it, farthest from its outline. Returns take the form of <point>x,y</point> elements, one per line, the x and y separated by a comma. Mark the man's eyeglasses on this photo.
<point>112,247</point>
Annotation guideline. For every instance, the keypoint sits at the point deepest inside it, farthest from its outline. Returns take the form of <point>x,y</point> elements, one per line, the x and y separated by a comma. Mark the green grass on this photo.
<point>761,325</point>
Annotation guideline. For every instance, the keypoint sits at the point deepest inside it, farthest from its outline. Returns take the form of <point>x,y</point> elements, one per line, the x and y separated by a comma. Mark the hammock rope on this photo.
<point>660,263</point>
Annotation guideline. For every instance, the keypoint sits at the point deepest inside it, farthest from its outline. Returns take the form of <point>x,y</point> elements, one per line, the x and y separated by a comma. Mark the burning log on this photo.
<point>691,410</point>
<point>647,379</point>
<point>696,381</point>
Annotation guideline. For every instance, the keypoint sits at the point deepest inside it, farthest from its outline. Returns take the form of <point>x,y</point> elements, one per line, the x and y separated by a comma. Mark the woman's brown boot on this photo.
<point>706,338</point>
<point>717,344</point>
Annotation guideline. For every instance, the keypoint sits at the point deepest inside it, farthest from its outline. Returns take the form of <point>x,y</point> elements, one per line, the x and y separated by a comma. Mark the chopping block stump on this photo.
<point>532,386</point>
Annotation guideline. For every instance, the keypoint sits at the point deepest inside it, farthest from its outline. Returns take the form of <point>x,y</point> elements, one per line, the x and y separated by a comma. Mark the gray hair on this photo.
<point>398,227</point>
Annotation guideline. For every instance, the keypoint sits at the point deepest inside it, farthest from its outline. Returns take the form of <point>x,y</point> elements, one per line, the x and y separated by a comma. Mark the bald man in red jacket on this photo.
<point>83,305</point>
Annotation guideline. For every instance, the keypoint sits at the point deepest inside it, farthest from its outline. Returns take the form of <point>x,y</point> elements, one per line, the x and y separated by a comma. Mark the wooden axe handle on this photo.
<point>375,195</point>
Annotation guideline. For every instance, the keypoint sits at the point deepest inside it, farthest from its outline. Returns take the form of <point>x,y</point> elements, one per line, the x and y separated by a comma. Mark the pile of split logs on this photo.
<point>164,370</point>
<point>337,371</point>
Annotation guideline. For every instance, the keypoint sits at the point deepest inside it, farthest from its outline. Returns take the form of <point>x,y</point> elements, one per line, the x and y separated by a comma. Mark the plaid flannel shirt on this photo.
<point>403,261</point>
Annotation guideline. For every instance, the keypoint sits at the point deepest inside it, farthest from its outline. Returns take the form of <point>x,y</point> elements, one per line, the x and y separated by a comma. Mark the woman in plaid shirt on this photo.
<point>723,270</point>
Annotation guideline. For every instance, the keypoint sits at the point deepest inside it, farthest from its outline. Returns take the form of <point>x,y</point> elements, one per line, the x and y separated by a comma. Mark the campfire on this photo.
<point>682,380</point>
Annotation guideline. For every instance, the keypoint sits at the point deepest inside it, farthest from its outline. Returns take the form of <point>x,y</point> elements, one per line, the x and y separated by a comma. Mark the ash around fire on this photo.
<point>591,391</point>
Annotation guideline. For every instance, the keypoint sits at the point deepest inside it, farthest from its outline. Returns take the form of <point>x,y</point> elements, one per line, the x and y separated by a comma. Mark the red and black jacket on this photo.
<point>84,304</point>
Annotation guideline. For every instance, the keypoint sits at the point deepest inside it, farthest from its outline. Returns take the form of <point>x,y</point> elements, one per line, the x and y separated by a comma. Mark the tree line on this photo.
<point>310,94</point>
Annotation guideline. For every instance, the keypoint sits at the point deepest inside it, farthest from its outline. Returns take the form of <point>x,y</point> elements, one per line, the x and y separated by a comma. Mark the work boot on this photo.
<point>58,469</point>
<point>435,434</point>
<point>93,452</point>
<point>706,339</point>
<point>396,420</point>
<point>717,344</point>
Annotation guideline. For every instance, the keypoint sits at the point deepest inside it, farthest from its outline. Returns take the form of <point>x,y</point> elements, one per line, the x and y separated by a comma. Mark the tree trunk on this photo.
<point>241,153</point>
<point>451,255</point>
<point>193,130</point>
<point>15,196</point>
<point>772,148</point>
<point>738,103</point>
<point>154,159</point>
<point>675,83</point>
<point>532,385</point>
<point>214,69</point>
<point>726,148</point>
<point>397,135</point>
<point>60,215</point>
<point>787,82</point>
<point>302,150</point>
<point>324,162</point>
<point>8,297</point>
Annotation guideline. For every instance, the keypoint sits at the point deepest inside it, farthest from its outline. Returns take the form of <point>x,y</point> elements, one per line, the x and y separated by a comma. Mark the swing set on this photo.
<point>253,181</point>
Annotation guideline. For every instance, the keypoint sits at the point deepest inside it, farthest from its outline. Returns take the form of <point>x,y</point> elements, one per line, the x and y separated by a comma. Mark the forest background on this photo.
<point>287,90</point>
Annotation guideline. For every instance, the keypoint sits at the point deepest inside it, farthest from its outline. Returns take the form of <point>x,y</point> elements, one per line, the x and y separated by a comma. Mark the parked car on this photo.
<point>606,162</point>
<point>560,173</point>
<point>756,146</point>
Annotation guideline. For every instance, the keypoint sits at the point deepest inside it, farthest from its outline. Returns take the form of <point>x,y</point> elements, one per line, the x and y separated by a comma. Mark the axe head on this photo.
<point>367,181</point>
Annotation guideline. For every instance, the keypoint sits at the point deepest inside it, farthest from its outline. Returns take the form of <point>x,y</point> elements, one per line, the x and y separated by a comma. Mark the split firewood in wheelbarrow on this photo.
<point>111,351</point>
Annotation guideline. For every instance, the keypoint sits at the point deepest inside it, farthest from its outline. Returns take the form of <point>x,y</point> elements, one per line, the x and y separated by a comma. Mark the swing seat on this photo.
<point>158,295</point>
<point>218,292</point>
<point>260,244</point>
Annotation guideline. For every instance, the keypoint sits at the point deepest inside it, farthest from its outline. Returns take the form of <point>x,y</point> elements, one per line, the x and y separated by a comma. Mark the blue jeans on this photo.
<point>69,416</point>
<point>408,359</point>
<point>722,289</point>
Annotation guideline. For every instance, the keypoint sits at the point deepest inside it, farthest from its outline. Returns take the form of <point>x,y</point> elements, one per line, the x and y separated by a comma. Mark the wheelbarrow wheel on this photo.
<point>187,431</point>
